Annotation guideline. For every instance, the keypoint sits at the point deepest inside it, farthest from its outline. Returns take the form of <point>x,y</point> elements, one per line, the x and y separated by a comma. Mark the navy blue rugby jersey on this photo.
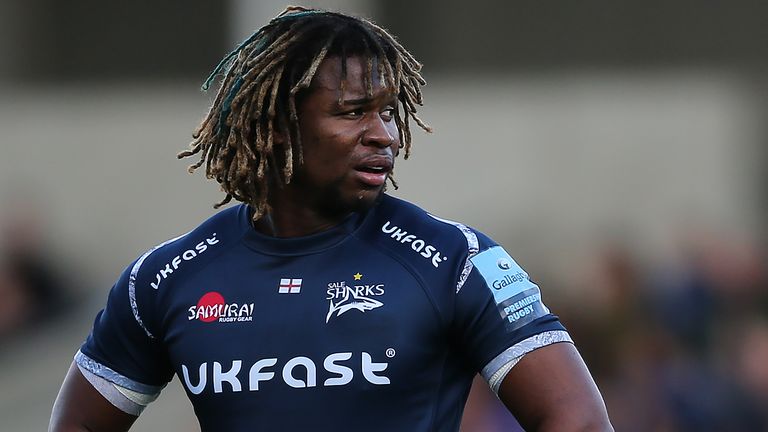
<point>378,324</point>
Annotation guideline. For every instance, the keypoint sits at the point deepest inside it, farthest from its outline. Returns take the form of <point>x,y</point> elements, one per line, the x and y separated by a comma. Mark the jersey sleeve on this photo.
<point>500,315</point>
<point>122,347</point>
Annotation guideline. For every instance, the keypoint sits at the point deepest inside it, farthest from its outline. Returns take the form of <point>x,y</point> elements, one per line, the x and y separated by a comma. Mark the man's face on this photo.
<point>349,142</point>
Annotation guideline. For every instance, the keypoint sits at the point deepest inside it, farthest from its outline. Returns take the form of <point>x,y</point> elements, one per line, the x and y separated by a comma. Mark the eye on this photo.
<point>354,113</point>
<point>388,113</point>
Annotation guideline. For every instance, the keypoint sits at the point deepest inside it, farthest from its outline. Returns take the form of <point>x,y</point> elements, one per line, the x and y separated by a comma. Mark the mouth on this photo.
<point>373,171</point>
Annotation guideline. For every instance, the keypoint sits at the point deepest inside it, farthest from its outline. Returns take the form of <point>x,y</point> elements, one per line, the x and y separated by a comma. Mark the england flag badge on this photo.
<point>289,286</point>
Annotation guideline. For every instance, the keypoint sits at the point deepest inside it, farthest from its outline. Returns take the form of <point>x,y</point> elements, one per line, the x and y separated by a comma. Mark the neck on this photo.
<point>296,218</point>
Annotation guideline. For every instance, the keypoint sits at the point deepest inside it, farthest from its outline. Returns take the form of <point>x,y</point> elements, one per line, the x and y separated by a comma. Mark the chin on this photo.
<point>366,199</point>
<point>339,204</point>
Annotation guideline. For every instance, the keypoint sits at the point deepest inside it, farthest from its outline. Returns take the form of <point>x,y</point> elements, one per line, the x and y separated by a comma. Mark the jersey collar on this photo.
<point>298,245</point>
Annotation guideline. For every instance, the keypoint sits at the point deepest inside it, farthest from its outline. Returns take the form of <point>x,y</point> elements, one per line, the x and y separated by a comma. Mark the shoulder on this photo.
<point>153,271</point>
<point>428,242</point>
<point>397,215</point>
<point>165,261</point>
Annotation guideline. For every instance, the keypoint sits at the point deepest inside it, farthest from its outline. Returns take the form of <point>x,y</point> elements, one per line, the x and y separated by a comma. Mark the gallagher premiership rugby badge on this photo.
<point>518,299</point>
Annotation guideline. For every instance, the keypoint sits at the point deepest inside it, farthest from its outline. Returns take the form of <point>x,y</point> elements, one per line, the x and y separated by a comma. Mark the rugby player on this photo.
<point>320,302</point>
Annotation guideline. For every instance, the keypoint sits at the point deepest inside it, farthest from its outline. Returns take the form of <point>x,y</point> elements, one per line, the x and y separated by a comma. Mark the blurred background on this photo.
<point>619,150</point>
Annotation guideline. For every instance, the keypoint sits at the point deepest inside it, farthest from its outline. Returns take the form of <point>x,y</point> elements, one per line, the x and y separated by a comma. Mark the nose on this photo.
<point>380,133</point>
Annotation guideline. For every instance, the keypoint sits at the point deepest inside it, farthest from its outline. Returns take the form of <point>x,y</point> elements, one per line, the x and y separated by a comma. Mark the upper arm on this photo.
<point>521,349</point>
<point>121,367</point>
<point>80,407</point>
<point>550,389</point>
<point>500,315</point>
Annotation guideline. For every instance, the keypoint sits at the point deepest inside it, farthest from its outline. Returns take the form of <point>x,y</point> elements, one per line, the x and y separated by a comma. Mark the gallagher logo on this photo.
<point>212,307</point>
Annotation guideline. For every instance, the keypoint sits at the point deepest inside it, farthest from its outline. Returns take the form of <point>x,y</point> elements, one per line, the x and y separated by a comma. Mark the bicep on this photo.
<point>80,407</point>
<point>551,389</point>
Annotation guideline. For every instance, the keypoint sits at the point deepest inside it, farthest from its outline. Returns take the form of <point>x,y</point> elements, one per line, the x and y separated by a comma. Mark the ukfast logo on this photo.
<point>187,255</point>
<point>343,298</point>
<point>213,308</point>
<point>297,372</point>
<point>417,244</point>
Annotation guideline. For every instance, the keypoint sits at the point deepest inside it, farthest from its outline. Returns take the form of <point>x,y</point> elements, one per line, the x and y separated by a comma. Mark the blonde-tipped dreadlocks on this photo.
<point>264,76</point>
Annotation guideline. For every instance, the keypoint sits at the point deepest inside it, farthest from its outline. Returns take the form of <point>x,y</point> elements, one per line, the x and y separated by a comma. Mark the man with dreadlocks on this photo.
<point>320,295</point>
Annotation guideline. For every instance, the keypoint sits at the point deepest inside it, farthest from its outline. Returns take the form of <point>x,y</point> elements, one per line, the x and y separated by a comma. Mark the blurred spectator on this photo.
<point>30,290</point>
<point>676,347</point>
<point>669,349</point>
<point>752,358</point>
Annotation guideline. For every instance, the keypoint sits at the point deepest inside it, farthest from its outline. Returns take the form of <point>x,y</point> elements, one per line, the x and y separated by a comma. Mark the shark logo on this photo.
<point>342,297</point>
<point>351,301</point>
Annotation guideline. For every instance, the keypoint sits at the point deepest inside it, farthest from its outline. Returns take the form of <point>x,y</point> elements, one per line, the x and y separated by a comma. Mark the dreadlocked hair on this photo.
<point>265,76</point>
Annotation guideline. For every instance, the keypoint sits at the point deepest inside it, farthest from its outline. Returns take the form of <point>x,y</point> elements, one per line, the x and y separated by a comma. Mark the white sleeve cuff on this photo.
<point>496,370</point>
<point>127,395</point>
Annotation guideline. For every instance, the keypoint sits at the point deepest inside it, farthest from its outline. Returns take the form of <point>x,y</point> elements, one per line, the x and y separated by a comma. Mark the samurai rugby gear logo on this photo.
<point>343,298</point>
<point>212,307</point>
